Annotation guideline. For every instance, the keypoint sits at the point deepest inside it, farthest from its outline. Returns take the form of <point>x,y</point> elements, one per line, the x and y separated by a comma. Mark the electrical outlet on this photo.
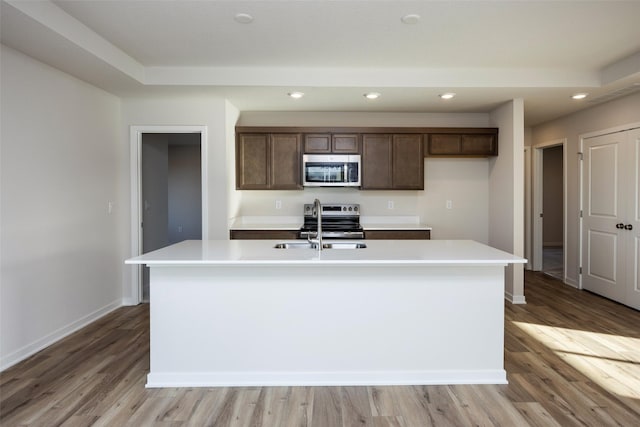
<point>179,229</point>
<point>390,204</point>
<point>449,204</point>
<point>110,208</point>
<point>278,204</point>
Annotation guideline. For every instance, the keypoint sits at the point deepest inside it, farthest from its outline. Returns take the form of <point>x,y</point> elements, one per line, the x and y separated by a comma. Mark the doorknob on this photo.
<point>628,227</point>
<point>620,225</point>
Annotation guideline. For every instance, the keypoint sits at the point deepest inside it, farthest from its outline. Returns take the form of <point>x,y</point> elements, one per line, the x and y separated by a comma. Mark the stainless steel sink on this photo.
<point>331,245</point>
<point>344,245</point>
<point>296,245</point>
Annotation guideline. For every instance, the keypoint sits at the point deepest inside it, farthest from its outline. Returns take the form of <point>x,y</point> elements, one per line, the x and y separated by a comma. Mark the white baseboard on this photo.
<point>357,378</point>
<point>514,299</point>
<point>30,349</point>
<point>129,302</point>
<point>571,282</point>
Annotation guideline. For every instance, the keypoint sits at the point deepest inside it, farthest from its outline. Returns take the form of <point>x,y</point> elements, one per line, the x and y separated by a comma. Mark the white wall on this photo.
<point>463,181</point>
<point>290,118</point>
<point>506,193</point>
<point>618,112</point>
<point>61,165</point>
<point>233,197</point>
<point>208,111</point>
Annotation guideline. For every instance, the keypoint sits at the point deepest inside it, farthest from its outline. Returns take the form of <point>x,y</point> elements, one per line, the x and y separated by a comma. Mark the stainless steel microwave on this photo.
<point>331,170</point>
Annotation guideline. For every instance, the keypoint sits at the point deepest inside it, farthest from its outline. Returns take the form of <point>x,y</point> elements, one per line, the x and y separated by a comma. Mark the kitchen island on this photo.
<point>242,313</point>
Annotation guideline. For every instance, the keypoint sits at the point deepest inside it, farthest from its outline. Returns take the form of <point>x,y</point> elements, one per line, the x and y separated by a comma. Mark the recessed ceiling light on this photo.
<point>447,95</point>
<point>410,19</point>
<point>372,95</point>
<point>296,95</point>
<point>579,96</point>
<point>243,18</point>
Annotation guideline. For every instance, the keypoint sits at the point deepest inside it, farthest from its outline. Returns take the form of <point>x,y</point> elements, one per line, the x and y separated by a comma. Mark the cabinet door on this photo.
<point>462,145</point>
<point>408,162</point>
<point>264,234</point>
<point>331,143</point>
<point>397,234</point>
<point>317,143</point>
<point>285,162</point>
<point>482,145</point>
<point>376,162</point>
<point>345,143</point>
<point>252,162</point>
<point>444,144</point>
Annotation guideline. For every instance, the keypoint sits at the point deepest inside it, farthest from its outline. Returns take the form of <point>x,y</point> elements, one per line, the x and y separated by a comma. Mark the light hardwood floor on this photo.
<point>573,359</point>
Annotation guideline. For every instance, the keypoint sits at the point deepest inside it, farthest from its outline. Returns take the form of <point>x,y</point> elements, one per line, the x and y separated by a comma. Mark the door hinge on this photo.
<point>581,213</point>
<point>580,155</point>
<point>579,270</point>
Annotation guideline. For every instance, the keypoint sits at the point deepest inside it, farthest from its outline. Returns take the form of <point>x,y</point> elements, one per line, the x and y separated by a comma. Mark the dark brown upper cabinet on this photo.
<point>268,161</point>
<point>376,162</point>
<point>269,157</point>
<point>462,145</point>
<point>392,162</point>
<point>332,143</point>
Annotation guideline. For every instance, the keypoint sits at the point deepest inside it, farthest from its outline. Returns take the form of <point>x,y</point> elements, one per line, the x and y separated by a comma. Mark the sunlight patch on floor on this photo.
<point>611,361</point>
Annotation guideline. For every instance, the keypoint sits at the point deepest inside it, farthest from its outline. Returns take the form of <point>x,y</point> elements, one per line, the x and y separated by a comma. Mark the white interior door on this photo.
<point>632,223</point>
<point>604,182</point>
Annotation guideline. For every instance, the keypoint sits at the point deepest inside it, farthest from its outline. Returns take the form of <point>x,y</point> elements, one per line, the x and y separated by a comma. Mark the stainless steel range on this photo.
<point>339,221</point>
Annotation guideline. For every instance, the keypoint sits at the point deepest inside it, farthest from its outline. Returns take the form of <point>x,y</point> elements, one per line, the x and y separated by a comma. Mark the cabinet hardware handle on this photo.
<point>628,227</point>
<point>620,225</point>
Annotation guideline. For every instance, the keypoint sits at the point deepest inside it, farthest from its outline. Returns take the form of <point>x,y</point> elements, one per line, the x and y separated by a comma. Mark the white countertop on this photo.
<point>378,252</point>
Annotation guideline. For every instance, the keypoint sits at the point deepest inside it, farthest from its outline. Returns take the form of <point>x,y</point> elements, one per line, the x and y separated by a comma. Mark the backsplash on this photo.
<point>455,200</point>
<point>290,203</point>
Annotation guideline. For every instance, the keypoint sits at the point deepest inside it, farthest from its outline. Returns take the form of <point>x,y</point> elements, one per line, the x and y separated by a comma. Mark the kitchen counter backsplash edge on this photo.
<point>294,223</point>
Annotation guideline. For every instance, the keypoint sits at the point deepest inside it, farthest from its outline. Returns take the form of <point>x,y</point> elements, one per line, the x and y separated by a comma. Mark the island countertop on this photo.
<point>235,313</point>
<point>377,252</point>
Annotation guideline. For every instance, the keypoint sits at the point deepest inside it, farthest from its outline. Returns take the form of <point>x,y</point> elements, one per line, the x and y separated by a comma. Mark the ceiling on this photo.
<point>487,52</point>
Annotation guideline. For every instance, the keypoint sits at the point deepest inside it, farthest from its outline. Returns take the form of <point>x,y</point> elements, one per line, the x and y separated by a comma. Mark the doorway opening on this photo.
<point>552,207</point>
<point>549,231</point>
<point>171,192</point>
<point>168,192</point>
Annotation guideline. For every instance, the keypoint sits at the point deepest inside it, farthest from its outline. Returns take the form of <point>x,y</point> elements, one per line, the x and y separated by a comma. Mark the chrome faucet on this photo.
<point>317,212</point>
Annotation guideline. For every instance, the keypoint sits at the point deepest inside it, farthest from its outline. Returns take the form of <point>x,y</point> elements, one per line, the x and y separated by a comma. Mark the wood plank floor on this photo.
<point>573,359</point>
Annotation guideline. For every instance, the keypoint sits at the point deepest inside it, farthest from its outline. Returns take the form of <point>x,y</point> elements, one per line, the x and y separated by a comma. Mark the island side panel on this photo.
<point>326,325</point>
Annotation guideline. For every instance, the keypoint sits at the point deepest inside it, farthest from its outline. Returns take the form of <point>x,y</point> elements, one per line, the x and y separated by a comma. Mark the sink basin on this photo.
<point>344,245</point>
<point>332,245</point>
<point>296,245</point>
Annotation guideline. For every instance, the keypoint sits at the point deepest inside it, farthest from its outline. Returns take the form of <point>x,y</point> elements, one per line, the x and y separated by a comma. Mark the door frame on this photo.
<point>528,244</point>
<point>537,202</point>
<point>581,138</point>
<point>135,144</point>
